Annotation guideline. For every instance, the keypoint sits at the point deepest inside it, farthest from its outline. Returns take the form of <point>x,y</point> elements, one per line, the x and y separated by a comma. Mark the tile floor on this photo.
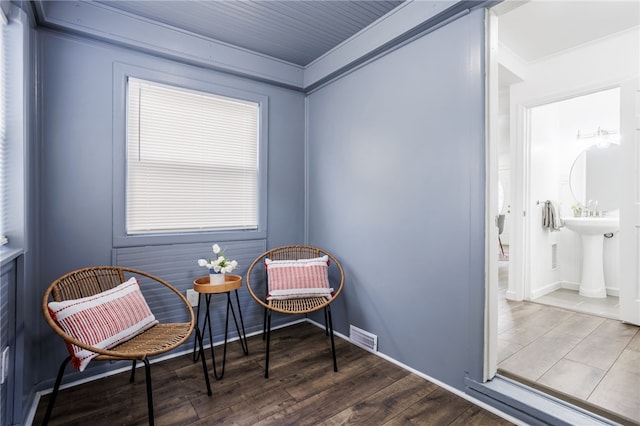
<point>570,299</point>
<point>586,357</point>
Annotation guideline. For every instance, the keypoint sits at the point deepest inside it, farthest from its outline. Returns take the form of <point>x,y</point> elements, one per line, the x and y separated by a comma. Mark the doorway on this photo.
<point>574,155</point>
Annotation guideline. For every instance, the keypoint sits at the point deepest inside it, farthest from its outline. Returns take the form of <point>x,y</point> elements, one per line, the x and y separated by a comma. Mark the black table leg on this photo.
<point>206,325</point>
<point>196,355</point>
<point>242,336</point>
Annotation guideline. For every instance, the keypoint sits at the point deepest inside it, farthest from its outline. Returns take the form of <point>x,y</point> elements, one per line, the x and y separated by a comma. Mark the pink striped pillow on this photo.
<point>298,278</point>
<point>103,320</point>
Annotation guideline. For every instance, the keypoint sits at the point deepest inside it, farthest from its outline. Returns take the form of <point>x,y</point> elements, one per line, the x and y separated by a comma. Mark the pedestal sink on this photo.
<point>592,230</point>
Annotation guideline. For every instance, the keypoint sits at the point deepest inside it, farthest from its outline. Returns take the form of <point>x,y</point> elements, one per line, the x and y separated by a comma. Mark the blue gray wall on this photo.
<point>396,172</point>
<point>76,175</point>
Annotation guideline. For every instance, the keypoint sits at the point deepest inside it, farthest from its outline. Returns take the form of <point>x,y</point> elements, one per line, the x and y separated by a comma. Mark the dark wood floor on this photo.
<point>302,390</point>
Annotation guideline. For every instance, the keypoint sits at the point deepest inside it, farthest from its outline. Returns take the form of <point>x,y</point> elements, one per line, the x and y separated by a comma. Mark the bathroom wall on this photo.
<point>544,177</point>
<point>504,161</point>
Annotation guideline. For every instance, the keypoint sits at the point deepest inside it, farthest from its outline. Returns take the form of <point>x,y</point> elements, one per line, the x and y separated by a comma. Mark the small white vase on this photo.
<point>216,278</point>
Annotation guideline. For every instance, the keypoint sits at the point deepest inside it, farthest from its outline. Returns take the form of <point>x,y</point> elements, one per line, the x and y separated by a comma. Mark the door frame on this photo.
<point>492,148</point>
<point>519,276</point>
<point>630,220</point>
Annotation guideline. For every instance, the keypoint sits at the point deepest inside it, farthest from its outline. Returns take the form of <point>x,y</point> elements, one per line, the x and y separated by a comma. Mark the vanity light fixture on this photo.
<point>602,137</point>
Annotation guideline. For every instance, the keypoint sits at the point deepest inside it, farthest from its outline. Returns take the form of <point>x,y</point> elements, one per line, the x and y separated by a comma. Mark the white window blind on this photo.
<point>192,160</point>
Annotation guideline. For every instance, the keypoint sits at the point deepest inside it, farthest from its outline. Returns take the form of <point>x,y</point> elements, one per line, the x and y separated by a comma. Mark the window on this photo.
<point>192,160</point>
<point>16,92</point>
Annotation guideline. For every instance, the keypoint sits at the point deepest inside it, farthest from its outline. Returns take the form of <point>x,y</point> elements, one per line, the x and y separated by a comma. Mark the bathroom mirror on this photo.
<point>595,175</point>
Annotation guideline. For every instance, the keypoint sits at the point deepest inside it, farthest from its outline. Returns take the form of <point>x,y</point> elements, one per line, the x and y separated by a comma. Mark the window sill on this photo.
<point>8,254</point>
<point>197,237</point>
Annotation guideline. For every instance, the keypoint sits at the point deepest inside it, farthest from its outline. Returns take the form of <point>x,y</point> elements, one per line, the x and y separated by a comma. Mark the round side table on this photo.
<point>202,286</point>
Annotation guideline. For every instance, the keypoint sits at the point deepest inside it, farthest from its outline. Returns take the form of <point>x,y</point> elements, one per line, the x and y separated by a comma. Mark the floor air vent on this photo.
<point>364,339</point>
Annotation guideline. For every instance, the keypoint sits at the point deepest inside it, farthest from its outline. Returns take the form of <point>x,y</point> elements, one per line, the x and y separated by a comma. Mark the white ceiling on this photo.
<point>539,28</point>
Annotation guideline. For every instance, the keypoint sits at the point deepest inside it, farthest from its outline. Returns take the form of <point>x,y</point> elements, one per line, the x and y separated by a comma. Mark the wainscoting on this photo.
<point>178,264</point>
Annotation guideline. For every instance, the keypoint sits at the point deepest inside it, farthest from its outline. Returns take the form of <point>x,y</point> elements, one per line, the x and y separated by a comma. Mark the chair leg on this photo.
<point>326,323</point>
<point>268,325</point>
<point>264,324</point>
<point>56,387</point>
<point>333,345</point>
<point>133,372</point>
<point>147,368</point>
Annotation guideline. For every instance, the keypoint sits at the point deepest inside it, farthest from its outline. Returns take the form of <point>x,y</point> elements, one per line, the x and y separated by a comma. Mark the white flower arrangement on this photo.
<point>220,264</point>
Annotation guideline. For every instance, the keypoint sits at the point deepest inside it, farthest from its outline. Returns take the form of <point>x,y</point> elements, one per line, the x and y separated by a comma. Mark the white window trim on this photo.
<point>3,132</point>
<point>120,236</point>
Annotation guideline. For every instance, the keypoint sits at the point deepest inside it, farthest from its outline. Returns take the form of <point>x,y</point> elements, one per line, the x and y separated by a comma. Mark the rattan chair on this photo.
<point>258,288</point>
<point>159,339</point>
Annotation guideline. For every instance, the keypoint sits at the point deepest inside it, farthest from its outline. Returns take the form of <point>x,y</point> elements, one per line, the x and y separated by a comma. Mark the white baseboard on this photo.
<point>432,380</point>
<point>545,290</point>
<point>613,291</point>
<point>569,285</point>
<point>512,295</point>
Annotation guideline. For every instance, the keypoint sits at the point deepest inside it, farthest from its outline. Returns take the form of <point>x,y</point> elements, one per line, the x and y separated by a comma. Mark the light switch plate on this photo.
<point>5,364</point>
